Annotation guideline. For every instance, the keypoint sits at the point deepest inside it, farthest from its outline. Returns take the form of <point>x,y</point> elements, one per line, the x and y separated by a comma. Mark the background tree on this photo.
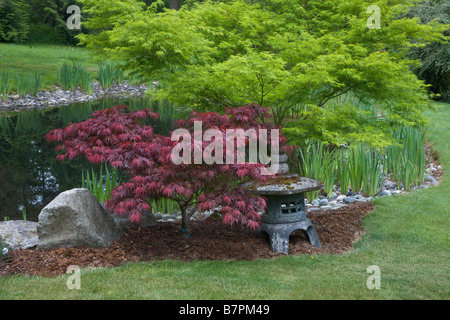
<point>14,15</point>
<point>434,58</point>
<point>282,54</point>
<point>48,21</point>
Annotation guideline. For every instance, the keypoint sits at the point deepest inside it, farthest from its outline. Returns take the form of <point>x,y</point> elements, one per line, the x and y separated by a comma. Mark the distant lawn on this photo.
<point>24,60</point>
<point>407,236</point>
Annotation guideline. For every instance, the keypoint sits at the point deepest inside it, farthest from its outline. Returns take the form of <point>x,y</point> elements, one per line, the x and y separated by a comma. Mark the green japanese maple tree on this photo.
<point>278,53</point>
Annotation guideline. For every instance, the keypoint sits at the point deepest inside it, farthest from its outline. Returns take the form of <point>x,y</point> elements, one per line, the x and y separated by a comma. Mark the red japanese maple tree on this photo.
<point>119,138</point>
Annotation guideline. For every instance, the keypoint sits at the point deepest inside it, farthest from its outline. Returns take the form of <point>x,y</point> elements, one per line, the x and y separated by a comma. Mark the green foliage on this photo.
<point>434,58</point>
<point>343,170</point>
<point>72,76</point>
<point>282,54</point>
<point>406,160</point>
<point>363,168</point>
<point>101,185</point>
<point>317,162</point>
<point>14,15</point>
<point>108,73</point>
<point>23,83</point>
<point>41,33</point>
<point>48,20</point>
<point>24,213</point>
<point>165,206</point>
<point>5,85</point>
<point>342,119</point>
<point>36,83</point>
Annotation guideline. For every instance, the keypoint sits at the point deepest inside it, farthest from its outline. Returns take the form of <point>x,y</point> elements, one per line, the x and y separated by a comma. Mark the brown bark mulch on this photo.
<point>210,240</point>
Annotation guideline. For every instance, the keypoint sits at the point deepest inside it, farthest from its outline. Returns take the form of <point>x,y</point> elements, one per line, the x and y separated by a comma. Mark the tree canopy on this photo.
<point>278,53</point>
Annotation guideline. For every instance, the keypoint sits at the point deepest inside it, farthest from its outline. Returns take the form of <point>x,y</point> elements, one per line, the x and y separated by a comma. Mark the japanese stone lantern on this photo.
<point>285,206</point>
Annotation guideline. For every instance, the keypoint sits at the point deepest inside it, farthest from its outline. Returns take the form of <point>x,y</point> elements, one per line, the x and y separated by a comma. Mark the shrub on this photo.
<point>118,138</point>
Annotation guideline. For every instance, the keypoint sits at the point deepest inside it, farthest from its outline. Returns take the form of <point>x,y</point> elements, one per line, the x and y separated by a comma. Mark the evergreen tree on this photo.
<point>434,58</point>
<point>48,19</point>
<point>14,15</point>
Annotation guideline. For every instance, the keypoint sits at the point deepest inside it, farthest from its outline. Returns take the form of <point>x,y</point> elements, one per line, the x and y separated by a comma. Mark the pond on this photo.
<point>30,176</point>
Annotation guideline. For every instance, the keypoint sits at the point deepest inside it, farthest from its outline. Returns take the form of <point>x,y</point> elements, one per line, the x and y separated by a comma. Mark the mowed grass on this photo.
<point>406,236</point>
<point>24,60</point>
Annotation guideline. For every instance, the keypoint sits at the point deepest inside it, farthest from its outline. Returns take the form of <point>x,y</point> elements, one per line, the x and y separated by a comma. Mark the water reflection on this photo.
<point>30,176</point>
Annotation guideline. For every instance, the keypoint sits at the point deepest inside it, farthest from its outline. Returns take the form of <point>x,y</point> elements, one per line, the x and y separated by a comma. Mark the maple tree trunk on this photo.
<point>184,217</point>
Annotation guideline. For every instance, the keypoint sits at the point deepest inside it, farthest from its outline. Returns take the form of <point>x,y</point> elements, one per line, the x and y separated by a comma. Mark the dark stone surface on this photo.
<point>279,234</point>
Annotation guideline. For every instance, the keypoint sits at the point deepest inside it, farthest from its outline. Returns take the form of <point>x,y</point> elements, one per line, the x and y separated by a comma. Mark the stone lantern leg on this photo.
<point>285,206</point>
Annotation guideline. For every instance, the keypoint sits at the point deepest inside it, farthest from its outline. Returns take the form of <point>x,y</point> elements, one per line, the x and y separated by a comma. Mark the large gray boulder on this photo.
<point>19,234</point>
<point>76,219</point>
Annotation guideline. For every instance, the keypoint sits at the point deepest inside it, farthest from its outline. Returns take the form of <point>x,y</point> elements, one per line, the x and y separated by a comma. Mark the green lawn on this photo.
<point>407,236</point>
<point>24,60</point>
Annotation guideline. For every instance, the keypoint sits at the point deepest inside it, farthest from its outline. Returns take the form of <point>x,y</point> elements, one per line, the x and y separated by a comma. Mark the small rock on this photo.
<point>326,207</point>
<point>341,197</point>
<point>323,202</point>
<point>385,193</point>
<point>348,200</point>
<point>390,185</point>
<point>315,202</point>
<point>431,179</point>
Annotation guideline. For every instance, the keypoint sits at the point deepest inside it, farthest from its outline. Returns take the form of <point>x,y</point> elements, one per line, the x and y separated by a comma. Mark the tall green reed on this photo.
<point>74,76</point>
<point>406,161</point>
<point>373,172</point>
<point>100,185</point>
<point>165,206</point>
<point>365,170</point>
<point>5,85</point>
<point>108,73</point>
<point>27,84</point>
<point>343,170</point>
<point>317,162</point>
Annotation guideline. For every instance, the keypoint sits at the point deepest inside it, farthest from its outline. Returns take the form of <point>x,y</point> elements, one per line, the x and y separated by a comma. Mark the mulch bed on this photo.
<point>210,240</point>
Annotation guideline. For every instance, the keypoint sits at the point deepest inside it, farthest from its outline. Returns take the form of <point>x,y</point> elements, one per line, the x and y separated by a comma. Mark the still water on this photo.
<point>30,176</point>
